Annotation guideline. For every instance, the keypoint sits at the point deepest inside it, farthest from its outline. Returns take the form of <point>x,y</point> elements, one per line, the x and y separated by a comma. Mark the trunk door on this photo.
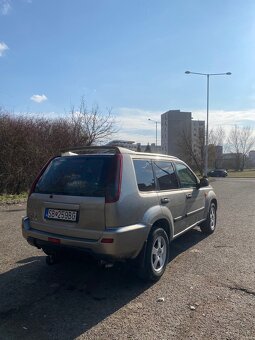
<point>90,213</point>
<point>69,198</point>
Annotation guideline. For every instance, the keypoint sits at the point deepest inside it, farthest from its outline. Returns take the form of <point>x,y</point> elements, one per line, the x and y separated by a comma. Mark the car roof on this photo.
<point>102,150</point>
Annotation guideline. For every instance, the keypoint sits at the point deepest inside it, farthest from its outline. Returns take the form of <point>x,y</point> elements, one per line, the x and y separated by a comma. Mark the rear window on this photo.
<point>144,175</point>
<point>76,176</point>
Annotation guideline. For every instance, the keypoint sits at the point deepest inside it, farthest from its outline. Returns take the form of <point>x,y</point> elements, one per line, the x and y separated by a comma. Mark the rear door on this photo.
<point>170,195</point>
<point>69,198</point>
<point>194,196</point>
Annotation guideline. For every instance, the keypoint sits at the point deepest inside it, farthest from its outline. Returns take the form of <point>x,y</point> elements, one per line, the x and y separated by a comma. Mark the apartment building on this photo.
<point>129,144</point>
<point>174,124</point>
<point>181,136</point>
<point>198,138</point>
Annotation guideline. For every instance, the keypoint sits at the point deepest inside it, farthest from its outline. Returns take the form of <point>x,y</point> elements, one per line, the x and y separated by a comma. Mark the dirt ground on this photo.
<point>207,291</point>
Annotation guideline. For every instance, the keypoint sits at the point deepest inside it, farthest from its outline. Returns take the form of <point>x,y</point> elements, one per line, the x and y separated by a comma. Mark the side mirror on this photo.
<point>203,182</point>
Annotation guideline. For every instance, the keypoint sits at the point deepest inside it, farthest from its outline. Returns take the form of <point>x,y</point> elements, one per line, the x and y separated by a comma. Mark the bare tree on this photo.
<point>92,125</point>
<point>217,136</point>
<point>191,155</point>
<point>28,141</point>
<point>138,148</point>
<point>148,148</point>
<point>240,141</point>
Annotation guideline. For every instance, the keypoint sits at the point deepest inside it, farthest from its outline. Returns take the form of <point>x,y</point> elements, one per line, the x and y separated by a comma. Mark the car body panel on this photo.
<point>195,205</point>
<point>127,242</point>
<point>175,206</point>
<point>90,213</point>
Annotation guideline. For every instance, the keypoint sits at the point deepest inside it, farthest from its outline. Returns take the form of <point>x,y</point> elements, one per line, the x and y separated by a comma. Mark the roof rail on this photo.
<point>92,149</point>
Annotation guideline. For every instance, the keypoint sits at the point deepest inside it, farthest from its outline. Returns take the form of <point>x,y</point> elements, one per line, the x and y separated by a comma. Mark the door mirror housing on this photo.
<point>204,182</point>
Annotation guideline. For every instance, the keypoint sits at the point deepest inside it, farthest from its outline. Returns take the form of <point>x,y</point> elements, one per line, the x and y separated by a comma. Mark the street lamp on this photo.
<point>207,110</point>
<point>156,122</point>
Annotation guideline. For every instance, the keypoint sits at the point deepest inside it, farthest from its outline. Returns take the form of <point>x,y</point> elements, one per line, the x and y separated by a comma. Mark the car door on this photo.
<point>194,196</point>
<point>171,198</point>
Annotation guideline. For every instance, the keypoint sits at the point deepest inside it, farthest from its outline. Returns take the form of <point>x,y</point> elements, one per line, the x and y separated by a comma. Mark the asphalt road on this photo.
<point>207,291</point>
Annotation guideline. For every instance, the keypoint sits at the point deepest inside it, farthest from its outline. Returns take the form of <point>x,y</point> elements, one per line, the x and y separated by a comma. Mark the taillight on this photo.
<point>107,240</point>
<point>54,240</point>
<point>114,177</point>
<point>39,175</point>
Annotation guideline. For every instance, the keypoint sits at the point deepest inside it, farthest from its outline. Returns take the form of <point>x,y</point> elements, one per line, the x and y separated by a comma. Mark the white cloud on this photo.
<point>3,48</point>
<point>134,124</point>
<point>39,98</point>
<point>227,119</point>
<point>5,7</point>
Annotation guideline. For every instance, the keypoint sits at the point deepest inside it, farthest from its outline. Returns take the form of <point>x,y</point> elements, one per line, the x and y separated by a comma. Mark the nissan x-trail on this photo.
<point>117,204</point>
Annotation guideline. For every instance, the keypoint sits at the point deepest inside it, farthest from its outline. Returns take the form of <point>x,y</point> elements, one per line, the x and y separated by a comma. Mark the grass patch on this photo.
<point>13,199</point>
<point>249,173</point>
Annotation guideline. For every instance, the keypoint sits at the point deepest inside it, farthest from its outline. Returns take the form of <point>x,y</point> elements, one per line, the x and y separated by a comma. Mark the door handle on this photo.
<point>189,196</point>
<point>164,200</point>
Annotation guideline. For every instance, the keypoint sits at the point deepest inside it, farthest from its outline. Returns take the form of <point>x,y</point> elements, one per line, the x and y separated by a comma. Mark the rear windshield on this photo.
<point>76,176</point>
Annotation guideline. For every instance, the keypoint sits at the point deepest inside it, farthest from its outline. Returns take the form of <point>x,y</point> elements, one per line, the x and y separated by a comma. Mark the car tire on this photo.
<point>209,225</point>
<point>53,256</point>
<point>156,255</point>
<point>47,251</point>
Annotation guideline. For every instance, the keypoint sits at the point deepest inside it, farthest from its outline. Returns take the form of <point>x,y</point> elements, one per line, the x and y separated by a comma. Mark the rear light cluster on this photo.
<point>107,240</point>
<point>39,175</point>
<point>114,180</point>
<point>54,240</point>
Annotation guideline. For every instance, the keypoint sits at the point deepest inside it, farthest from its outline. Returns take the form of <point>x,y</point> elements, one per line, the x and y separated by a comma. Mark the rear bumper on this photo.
<point>115,243</point>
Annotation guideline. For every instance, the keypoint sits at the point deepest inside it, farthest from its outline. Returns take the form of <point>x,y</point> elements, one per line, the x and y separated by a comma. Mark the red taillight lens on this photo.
<point>39,175</point>
<point>54,240</point>
<point>114,180</point>
<point>107,240</point>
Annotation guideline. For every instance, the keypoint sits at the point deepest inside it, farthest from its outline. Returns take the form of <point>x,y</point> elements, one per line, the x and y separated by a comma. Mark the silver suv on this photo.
<point>117,204</point>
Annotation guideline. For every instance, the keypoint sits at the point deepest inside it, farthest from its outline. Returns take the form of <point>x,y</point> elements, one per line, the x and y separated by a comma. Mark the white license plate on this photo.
<point>62,215</point>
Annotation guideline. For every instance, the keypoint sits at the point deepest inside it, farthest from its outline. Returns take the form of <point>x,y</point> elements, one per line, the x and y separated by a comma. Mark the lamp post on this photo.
<point>207,110</point>
<point>156,122</point>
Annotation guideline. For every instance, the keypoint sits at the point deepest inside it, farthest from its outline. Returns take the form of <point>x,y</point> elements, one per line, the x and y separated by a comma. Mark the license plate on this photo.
<point>61,215</point>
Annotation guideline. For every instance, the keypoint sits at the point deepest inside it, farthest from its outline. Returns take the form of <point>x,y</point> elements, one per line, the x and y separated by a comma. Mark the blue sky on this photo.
<point>130,56</point>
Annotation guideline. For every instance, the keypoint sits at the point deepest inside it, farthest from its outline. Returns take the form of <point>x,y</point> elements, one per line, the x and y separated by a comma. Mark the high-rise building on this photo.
<point>174,124</point>
<point>181,136</point>
<point>198,138</point>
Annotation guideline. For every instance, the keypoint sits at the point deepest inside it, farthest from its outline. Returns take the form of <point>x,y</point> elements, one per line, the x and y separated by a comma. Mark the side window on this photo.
<point>144,175</point>
<point>165,175</point>
<point>186,177</point>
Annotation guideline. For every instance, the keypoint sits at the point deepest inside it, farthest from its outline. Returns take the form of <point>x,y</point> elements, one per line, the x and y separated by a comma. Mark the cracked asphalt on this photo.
<point>207,291</point>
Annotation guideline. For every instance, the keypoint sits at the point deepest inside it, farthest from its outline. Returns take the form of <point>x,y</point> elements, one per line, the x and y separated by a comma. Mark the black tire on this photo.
<point>47,251</point>
<point>156,255</point>
<point>50,260</point>
<point>209,225</point>
<point>53,257</point>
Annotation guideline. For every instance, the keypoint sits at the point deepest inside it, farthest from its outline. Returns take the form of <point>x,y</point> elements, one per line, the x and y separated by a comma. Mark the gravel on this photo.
<point>207,291</point>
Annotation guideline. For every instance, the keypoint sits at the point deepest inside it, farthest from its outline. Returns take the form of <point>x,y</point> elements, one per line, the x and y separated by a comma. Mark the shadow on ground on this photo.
<point>65,300</point>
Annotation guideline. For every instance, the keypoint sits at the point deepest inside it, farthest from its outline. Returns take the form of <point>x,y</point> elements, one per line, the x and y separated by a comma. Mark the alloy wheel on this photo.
<point>158,254</point>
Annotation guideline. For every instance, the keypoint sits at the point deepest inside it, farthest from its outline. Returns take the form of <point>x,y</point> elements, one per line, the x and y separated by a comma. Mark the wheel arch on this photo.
<point>164,224</point>
<point>215,202</point>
